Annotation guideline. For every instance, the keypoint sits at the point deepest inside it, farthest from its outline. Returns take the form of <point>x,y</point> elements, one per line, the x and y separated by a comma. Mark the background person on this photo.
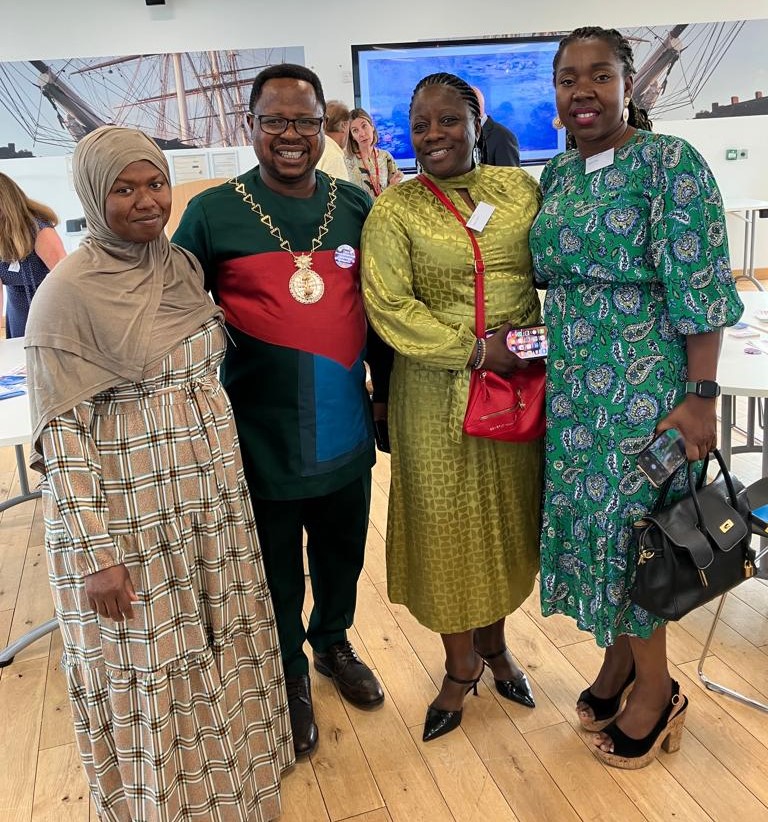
<point>29,249</point>
<point>279,247</point>
<point>180,710</point>
<point>463,520</point>
<point>634,253</point>
<point>336,128</point>
<point>371,168</point>
<point>501,144</point>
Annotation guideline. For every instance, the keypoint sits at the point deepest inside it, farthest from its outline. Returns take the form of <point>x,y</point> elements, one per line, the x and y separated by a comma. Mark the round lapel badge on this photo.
<point>344,256</point>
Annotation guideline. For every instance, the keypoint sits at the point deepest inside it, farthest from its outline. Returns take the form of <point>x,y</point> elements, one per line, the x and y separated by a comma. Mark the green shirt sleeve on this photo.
<point>194,234</point>
<point>689,241</point>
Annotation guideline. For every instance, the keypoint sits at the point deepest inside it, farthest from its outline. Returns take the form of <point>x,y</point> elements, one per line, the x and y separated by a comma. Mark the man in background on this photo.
<point>501,145</point>
<point>336,129</point>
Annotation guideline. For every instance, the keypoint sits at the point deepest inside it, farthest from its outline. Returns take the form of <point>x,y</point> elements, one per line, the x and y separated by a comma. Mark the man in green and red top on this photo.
<point>280,251</point>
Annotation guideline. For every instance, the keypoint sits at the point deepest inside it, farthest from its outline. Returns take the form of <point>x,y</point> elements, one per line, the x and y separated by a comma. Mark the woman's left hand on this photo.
<point>696,419</point>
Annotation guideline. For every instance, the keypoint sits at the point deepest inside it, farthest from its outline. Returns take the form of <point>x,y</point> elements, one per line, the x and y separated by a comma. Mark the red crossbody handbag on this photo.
<point>510,409</point>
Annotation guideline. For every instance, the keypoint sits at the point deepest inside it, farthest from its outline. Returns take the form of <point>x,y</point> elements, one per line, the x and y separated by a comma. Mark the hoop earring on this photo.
<point>557,123</point>
<point>625,113</point>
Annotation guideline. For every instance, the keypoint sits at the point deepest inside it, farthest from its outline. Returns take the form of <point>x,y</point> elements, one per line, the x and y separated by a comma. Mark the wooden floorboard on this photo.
<point>505,763</point>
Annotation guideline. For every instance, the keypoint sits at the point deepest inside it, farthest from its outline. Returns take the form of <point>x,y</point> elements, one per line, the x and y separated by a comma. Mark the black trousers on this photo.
<point>336,526</point>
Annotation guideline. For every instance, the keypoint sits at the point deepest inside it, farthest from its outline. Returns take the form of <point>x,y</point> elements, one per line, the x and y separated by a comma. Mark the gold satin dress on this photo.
<point>463,527</point>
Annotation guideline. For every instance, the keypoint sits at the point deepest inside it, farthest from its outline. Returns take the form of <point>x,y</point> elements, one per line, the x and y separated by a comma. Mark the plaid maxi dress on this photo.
<point>180,713</point>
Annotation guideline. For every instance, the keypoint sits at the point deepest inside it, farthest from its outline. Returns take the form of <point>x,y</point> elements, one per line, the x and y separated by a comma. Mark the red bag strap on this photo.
<point>479,264</point>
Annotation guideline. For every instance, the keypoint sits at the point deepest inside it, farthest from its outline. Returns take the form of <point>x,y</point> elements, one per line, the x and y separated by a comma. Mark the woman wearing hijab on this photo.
<point>170,649</point>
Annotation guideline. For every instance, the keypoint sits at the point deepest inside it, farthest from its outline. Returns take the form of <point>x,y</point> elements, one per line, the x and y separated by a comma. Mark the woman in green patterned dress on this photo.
<point>632,245</point>
<point>464,512</point>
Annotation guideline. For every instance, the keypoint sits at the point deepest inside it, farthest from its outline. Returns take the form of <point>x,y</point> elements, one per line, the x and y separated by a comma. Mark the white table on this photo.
<point>15,427</point>
<point>748,210</point>
<point>740,375</point>
<point>16,430</point>
<point>743,375</point>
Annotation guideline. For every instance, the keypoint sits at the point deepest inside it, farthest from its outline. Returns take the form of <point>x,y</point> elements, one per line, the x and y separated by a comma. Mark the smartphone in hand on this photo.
<point>529,342</point>
<point>661,458</point>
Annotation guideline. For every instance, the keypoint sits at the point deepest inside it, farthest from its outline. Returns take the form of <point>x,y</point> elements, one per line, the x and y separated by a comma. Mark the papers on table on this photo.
<point>14,383</point>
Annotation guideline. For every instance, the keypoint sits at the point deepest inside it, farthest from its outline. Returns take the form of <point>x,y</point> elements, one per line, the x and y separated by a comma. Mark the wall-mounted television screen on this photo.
<point>514,74</point>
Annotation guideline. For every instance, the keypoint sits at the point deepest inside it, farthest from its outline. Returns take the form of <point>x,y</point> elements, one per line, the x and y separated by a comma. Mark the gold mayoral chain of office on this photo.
<point>306,285</point>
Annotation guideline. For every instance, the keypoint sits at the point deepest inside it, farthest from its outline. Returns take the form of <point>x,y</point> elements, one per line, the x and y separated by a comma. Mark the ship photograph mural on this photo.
<point>183,100</point>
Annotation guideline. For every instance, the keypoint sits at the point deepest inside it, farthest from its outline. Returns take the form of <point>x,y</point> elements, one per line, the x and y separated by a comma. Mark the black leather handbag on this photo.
<point>695,549</point>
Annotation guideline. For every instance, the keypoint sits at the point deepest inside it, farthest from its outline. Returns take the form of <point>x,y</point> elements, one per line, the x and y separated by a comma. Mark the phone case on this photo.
<point>661,458</point>
<point>528,342</point>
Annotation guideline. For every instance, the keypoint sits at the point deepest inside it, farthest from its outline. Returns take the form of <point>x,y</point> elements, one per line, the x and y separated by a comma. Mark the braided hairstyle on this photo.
<point>638,117</point>
<point>467,94</point>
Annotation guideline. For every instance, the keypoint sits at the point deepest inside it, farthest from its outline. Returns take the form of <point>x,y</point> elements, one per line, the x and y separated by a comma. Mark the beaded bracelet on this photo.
<point>482,350</point>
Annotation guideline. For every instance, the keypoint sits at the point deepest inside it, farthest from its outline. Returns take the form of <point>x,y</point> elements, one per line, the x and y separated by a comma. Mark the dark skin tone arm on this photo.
<point>696,417</point>
<point>110,593</point>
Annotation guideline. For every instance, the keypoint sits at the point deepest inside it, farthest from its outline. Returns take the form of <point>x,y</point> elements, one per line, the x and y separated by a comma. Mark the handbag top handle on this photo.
<point>698,485</point>
<point>479,264</point>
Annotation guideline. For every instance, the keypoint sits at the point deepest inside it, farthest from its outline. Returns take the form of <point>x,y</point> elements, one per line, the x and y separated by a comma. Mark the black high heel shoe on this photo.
<point>604,709</point>
<point>439,722</point>
<point>518,690</point>
<point>631,754</point>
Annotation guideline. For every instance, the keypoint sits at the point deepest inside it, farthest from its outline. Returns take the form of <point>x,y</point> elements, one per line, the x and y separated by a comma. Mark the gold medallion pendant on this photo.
<point>306,286</point>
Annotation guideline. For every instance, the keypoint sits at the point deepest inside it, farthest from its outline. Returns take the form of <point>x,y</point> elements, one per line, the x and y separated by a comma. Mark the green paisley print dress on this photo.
<point>634,257</point>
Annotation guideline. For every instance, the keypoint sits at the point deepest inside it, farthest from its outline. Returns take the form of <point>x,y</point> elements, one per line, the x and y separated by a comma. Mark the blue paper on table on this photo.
<point>12,385</point>
<point>6,395</point>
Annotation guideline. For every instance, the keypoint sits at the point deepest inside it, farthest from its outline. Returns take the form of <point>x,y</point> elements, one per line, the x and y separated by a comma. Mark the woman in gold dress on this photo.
<point>462,538</point>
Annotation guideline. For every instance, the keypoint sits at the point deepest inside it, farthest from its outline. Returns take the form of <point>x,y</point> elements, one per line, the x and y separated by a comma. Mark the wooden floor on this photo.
<point>505,762</point>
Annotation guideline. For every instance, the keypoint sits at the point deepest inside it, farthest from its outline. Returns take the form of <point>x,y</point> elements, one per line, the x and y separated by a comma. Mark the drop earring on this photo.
<point>557,123</point>
<point>625,113</point>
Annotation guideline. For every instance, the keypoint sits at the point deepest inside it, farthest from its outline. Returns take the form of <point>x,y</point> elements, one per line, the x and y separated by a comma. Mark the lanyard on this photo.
<point>374,181</point>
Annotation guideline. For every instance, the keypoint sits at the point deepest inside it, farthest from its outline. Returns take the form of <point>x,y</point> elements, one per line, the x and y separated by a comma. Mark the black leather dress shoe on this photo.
<point>353,678</point>
<point>302,715</point>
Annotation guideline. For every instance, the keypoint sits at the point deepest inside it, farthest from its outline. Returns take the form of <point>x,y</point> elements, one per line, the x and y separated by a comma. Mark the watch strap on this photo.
<point>703,388</point>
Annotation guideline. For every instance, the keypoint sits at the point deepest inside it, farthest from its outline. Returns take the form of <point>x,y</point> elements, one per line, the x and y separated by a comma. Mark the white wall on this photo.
<point>327,29</point>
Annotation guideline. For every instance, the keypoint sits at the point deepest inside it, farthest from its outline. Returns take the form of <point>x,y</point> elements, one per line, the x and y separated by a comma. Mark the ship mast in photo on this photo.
<point>668,86</point>
<point>182,100</point>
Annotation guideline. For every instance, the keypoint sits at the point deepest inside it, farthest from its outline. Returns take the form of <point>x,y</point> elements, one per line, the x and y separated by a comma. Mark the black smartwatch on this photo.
<point>708,389</point>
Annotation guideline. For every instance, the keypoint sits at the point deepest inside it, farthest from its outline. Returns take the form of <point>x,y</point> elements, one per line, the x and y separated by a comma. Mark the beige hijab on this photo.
<point>112,307</point>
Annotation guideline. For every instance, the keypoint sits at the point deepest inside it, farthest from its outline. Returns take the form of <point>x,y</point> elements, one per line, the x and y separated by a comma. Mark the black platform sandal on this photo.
<point>604,709</point>
<point>631,754</point>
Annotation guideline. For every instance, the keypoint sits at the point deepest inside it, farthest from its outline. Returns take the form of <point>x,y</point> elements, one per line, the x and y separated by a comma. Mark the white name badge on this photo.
<point>598,161</point>
<point>480,216</point>
<point>15,267</point>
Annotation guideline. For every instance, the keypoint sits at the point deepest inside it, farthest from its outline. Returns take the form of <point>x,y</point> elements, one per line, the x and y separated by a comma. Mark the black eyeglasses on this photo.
<point>306,126</point>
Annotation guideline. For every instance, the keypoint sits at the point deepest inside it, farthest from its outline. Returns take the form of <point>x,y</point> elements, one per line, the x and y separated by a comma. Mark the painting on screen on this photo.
<point>182,100</point>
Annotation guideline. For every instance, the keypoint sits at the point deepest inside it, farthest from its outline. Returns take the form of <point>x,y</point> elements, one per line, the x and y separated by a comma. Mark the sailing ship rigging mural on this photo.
<point>198,99</point>
<point>183,100</point>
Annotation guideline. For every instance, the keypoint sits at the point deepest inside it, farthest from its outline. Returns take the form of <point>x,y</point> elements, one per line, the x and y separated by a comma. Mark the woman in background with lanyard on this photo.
<point>369,167</point>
